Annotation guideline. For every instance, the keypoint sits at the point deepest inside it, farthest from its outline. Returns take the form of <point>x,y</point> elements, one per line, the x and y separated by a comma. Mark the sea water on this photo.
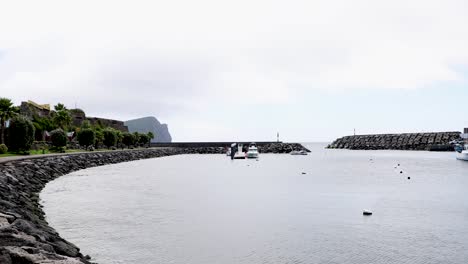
<point>277,209</point>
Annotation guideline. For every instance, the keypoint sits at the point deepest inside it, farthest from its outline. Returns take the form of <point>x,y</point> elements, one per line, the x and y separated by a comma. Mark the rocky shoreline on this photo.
<point>438,141</point>
<point>25,236</point>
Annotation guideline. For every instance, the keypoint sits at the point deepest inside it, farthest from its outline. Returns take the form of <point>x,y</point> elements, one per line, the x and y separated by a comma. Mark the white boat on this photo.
<point>463,154</point>
<point>252,152</point>
<point>298,152</point>
<point>240,154</point>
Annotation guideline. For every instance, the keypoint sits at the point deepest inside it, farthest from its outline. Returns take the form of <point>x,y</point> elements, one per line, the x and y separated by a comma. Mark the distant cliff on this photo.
<point>150,124</point>
<point>408,141</point>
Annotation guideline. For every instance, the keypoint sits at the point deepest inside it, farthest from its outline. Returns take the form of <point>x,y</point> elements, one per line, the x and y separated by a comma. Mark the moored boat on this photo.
<point>252,151</point>
<point>240,154</point>
<point>298,152</point>
<point>462,154</point>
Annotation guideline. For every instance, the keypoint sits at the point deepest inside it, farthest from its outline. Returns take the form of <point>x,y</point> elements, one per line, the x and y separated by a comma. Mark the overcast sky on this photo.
<point>243,70</point>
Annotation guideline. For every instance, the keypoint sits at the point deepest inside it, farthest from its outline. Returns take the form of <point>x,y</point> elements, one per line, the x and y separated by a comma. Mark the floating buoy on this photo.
<point>366,212</point>
<point>409,177</point>
<point>401,171</point>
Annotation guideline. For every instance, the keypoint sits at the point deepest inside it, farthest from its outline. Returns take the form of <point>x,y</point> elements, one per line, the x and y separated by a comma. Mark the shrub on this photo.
<point>3,149</point>
<point>61,149</point>
<point>21,134</point>
<point>110,137</point>
<point>85,124</point>
<point>98,137</point>
<point>128,139</point>
<point>136,137</point>
<point>58,138</point>
<point>86,137</point>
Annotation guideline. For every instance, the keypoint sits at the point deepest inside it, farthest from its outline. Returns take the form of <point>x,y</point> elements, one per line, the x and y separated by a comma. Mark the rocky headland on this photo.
<point>438,141</point>
<point>25,236</point>
<point>150,124</point>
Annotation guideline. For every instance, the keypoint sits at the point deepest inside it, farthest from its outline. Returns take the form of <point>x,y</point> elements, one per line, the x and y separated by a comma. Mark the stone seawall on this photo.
<point>408,141</point>
<point>25,236</point>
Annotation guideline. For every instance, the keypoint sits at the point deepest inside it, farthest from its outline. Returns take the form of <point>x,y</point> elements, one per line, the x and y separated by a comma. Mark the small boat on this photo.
<point>252,151</point>
<point>366,212</point>
<point>240,154</point>
<point>462,153</point>
<point>298,152</point>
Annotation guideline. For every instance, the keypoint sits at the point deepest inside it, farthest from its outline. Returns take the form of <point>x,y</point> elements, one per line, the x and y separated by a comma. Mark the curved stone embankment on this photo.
<point>408,141</point>
<point>25,236</point>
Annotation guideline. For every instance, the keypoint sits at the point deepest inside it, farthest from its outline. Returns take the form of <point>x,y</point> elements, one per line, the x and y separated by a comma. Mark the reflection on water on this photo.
<point>209,209</point>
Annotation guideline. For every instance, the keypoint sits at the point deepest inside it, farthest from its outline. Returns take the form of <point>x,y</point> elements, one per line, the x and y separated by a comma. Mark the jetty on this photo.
<point>221,146</point>
<point>437,141</point>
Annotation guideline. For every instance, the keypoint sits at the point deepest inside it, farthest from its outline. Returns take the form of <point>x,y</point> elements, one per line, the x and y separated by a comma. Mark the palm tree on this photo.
<point>62,117</point>
<point>151,136</point>
<point>7,111</point>
<point>60,107</point>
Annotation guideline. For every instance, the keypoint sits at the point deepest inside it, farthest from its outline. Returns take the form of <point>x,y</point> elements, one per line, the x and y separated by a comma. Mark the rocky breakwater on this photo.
<point>281,148</point>
<point>25,236</point>
<point>275,148</point>
<point>408,141</point>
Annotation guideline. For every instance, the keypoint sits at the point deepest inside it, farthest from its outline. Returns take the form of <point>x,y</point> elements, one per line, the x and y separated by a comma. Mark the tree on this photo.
<point>99,137</point>
<point>119,136</point>
<point>58,138</point>
<point>143,139</point>
<point>151,136</point>
<point>21,134</point>
<point>85,124</point>
<point>86,137</point>
<point>128,139</point>
<point>42,124</point>
<point>110,137</point>
<point>59,107</point>
<point>7,111</point>
<point>62,117</point>
<point>136,137</point>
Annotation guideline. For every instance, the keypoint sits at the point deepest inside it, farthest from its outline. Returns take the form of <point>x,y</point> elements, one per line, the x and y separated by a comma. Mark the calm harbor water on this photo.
<point>209,209</point>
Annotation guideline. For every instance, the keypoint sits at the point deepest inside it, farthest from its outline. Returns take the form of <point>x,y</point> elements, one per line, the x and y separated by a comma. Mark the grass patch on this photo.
<point>47,151</point>
<point>8,155</point>
<point>38,152</point>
